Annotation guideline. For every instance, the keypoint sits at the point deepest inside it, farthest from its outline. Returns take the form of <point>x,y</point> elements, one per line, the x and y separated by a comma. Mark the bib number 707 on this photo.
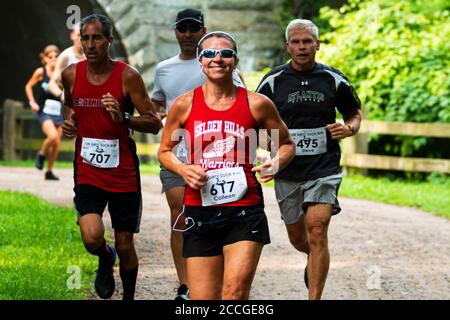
<point>98,157</point>
<point>100,153</point>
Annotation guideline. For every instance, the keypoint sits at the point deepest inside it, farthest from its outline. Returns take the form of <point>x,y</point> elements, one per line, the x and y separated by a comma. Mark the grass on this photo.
<point>38,243</point>
<point>431,196</point>
<point>427,196</point>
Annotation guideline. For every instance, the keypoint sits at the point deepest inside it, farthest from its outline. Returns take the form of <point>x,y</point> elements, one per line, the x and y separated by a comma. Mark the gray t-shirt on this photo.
<point>174,77</point>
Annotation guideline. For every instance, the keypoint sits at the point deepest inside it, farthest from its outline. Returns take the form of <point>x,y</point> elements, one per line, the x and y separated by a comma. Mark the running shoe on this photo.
<point>39,163</point>
<point>182,293</point>
<point>49,175</point>
<point>104,281</point>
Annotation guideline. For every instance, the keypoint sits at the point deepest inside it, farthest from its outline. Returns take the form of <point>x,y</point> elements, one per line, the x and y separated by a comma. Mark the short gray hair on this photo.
<point>302,24</point>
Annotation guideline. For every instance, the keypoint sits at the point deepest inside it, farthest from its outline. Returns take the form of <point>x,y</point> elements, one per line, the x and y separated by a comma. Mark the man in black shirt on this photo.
<point>307,94</point>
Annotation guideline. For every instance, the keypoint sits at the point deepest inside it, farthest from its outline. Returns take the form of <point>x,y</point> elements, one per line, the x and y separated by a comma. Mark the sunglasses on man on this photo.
<point>183,28</point>
<point>211,53</point>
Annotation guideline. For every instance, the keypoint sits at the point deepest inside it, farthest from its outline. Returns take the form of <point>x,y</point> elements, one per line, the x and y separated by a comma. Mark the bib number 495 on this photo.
<point>306,143</point>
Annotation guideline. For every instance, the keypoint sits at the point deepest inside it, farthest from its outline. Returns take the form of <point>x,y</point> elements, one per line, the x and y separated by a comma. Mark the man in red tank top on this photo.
<point>100,95</point>
<point>226,226</point>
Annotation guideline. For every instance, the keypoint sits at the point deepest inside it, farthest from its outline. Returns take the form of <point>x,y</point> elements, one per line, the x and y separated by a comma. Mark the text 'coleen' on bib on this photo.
<point>309,141</point>
<point>100,153</point>
<point>224,186</point>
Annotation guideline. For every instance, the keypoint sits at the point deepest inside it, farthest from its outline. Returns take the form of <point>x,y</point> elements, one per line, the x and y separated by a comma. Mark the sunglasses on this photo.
<point>182,28</point>
<point>224,53</point>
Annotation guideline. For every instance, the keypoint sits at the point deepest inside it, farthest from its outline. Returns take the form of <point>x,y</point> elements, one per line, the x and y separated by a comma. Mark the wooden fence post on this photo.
<point>10,128</point>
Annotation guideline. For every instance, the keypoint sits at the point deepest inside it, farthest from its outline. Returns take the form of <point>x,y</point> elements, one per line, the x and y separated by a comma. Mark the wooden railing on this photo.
<point>354,149</point>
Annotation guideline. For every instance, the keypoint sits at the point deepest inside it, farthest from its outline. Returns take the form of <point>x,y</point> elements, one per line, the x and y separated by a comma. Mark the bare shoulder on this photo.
<point>39,72</point>
<point>131,73</point>
<point>182,105</point>
<point>184,101</point>
<point>63,58</point>
<point>68,73</point>
<point>258,101</point>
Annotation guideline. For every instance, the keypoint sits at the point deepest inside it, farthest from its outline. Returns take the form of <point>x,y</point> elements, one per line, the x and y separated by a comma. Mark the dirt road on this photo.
<point>378,251</point>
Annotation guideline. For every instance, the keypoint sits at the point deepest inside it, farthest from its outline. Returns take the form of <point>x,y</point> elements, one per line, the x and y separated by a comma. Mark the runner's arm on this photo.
<point>148,120</point>
<point>352,122</point>
<point>161,107</point>
<point>35,78</point>
<point>69,126</point>
<point>60,64</point>
<point>193,175</point>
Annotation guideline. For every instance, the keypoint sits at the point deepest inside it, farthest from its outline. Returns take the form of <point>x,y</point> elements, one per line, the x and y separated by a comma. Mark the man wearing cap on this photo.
<point>174,77</point>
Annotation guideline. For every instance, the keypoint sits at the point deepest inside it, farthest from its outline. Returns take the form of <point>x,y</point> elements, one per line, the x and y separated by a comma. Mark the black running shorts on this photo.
<point>125,208</point>
<point>209,229</point>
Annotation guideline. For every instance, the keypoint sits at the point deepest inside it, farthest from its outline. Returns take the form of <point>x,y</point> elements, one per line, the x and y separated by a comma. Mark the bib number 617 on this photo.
<point>214,191</point>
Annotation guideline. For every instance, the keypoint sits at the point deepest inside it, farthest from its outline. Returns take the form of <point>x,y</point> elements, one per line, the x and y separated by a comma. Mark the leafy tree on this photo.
<point>397,55</point>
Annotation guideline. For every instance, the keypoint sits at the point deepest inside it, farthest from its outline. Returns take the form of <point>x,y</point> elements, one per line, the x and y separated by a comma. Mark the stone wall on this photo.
<point>145,27</point>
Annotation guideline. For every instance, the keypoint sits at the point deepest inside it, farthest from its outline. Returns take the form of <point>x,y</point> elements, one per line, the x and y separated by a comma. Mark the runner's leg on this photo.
<point>241,259</point>
<point>175,197</point>
<point>318,217</point>
<point>205,276</point>
<point>129,263</point>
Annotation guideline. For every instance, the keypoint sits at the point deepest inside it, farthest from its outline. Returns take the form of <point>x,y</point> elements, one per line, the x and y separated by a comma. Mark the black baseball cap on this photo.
<point>189,15</point>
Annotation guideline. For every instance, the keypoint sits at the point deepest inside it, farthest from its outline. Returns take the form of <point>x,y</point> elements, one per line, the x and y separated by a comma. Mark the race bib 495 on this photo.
<point>309,141</point>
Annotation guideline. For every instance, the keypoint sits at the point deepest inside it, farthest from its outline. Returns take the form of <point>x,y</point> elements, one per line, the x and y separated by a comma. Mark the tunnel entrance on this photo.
<point>27,27</point>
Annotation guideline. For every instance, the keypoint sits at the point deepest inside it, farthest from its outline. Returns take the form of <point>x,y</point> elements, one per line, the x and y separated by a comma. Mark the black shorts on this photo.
<point>125,208</point>
<point>209,229</point>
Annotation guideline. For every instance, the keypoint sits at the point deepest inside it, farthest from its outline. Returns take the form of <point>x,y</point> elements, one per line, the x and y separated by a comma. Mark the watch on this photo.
<point>126,118</point>
<point>351,128</point>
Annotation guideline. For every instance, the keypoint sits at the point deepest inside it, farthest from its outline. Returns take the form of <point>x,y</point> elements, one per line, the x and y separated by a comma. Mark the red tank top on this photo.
<point>109,158</point>
<point>223,139</point>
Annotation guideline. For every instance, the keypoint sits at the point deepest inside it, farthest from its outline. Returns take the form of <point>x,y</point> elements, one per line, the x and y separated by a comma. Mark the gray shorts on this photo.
<point>170,180</point>
<point>294,196</point>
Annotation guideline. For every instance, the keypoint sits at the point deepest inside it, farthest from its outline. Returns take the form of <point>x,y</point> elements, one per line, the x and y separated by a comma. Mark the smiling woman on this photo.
<point>223,199</point>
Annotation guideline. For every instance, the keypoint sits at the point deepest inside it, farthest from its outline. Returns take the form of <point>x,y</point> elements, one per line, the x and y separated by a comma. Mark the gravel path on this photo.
<point>378,251</point>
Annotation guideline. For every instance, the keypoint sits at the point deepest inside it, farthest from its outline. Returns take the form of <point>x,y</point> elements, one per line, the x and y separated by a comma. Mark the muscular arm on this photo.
<point>35,78</point>
<point>148,119</point>
<point>69,125</point>
<point>267,116</point>
<point>160,107</point>
<point>194,175</point>
<point>61,63</point>
<point>341,131</point>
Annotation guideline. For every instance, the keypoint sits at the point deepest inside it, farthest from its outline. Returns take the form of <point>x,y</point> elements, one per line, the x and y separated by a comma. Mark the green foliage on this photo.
<point>397,55</point>
<point>38,242</point>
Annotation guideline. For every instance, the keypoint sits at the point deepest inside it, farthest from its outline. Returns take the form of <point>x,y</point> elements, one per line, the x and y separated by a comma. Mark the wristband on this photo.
<point>126,118</point>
